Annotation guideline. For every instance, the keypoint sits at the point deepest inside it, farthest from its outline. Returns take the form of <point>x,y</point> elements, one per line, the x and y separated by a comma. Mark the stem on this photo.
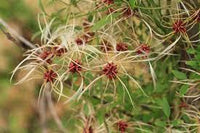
<point>47,91</point>
<point>14,33</point>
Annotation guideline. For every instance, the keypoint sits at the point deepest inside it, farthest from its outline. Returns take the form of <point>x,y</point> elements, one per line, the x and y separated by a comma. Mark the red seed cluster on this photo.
<point>127,12</point>
<point>143,49</point>
<point>183,105</point>
<point>79,41</point>
<point>179,27</point>
<point>49,76</point>
<point>46,56</point>
<point>58,51</point>
<point>110,70</point>
<point>121,47</point>
<point>122,126</point>
<point>75,66</point>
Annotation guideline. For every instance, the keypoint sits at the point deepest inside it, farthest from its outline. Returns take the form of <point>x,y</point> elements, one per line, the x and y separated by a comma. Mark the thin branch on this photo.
<point>15,34</point>
<point>47,94</point>
<point>42,113</point>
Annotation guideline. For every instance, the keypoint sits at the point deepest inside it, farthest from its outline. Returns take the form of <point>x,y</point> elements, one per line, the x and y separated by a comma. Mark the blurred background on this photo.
<point>18,110</point>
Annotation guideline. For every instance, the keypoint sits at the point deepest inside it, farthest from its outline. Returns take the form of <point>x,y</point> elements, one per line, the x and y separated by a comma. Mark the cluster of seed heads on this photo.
<point>68,51</point>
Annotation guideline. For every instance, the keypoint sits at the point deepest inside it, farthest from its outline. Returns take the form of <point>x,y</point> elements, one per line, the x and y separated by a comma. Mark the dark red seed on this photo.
<point>179,27</point>
<point>127,12</point>
<point>75,66</point>
<point>110,70</point>
<point>49,76</point>
<point>46,56</point>
<point>122,126</point>
<point>79,41</point>
<point>183,105</point>
<point>143,49</point>
<point>121,47</point>
<point>59,51</point>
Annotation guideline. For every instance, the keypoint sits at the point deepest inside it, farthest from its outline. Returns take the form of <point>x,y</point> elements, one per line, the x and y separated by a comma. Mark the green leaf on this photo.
<point>183,90</point>
<point>86,109</point>
<point>191,51</point>
<point>132,3</point>
<point>100,115</point>
<point>165,106</point>
<point>104,21</point>
<point>101,23</point>
<point>179,75</point>
<point>191,63</point>
<point>160,123</point>
<point>176,122</point>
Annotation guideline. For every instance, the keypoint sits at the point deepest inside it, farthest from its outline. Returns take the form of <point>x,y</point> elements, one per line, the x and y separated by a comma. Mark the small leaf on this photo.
<point>191,63</point>
<point>104,21</point>
<point>176,122</point>
<point>165,106</point>
<point>101,23</point>
<point>183,90</point>
<point>100,115</point>
<point>191,51</point>
<point>86,109</point>
<point>179,75</point>
<point>160,123</point>
<point>132,3</point>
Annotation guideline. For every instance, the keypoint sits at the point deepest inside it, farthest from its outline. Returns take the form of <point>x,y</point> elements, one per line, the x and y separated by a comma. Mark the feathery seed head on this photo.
<point>46,56</point>
<point>121,47</point>
<point>122,125</point>
<point>143,49</point>
<point>179,27</point>
<point>110,70</point>
<point>49,76</point>
<point>75,66</point>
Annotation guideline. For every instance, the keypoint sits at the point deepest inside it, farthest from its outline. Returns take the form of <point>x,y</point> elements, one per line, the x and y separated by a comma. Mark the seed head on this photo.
<point>183,105</point>
<point>59,51</point>
<point>79,41</point>
<point>49,76</point>
<point>110,70</point>
<point>121,47</point>
<point>143,49</point>
<point>179,27</point>
<point>75,66</point>
<point>127,12</point>
<point>46,55</point>
<point>122,125</point>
